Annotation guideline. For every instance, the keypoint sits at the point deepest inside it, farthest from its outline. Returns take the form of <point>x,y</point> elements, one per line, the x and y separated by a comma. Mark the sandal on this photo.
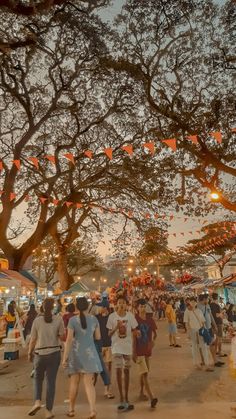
<point>34,410</point>
<point>127,407</point>
<point>71,414</point>
<point>110,396</point>
<point>92,415</point>
<point>154,402</point>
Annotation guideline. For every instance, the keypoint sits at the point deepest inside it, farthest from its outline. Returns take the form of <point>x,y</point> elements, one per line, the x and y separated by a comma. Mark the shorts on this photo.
<point>220,330</point>
<point>142,364</point>
<point>121,361</point>
<point>106,354</point>
<point>172,328</point>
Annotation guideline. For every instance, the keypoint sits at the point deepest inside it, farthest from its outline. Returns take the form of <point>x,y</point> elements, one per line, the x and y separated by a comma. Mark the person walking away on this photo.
<point>143,350</point>
<point>70,312</point>
<point>59,307</point>
<point>47,330</point>
<point>29,319</point>
<point>106,343</point>
<point>218,317</point>
<point>121,325</point>
<point>162,305</point>
<point>81,357</point>
<point>195,320</point>
<point>171,317</point>
<point>229,312</point>
<point>204,306</point>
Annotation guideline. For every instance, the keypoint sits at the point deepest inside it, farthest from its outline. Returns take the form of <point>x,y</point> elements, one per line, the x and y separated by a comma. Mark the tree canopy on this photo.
<point>75,91</point>
<point>181,56</point>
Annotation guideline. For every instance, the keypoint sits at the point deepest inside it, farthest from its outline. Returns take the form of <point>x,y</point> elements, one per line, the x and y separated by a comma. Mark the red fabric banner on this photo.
<point>35,161</point>
<point>171,142</point>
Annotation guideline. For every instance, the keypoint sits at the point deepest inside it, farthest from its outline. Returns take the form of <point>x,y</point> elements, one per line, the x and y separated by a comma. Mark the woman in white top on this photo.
<point>46,333</point>
<point>194,320</point>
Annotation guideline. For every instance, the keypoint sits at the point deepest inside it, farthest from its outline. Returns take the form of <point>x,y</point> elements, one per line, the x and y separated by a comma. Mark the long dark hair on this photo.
<point>48,306</point>
<point>82,305</point>
<point>11,309</point>
<point>32,313</point>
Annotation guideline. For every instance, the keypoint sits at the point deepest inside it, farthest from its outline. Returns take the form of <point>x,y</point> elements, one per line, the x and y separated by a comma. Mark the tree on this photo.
<point>81,260</point>
<point>155,249</point>
<point>44,6</point>
<point>30,34</point>
<point>180,55</point>
<point>54,103</point>
<point>218,242</point>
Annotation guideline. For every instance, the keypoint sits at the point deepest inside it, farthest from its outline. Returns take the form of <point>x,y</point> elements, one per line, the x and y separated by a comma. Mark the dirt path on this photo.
<point>179,387</point>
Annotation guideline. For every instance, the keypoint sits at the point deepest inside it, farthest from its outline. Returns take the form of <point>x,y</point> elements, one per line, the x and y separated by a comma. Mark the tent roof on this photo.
<point>7,282</point>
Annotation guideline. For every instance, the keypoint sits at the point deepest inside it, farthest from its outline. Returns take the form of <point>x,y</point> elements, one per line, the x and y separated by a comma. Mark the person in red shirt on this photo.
<point>70,312</point>
<point>143,349</point>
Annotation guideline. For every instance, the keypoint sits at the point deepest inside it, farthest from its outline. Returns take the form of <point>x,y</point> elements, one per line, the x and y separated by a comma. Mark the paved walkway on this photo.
<point>183,393</point>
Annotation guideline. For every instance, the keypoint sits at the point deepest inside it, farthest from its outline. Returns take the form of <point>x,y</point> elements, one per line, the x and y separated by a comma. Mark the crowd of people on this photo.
<point>98,337</point>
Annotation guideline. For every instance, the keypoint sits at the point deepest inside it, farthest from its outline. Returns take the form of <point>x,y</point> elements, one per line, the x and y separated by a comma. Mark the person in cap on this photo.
<point>143,345</point>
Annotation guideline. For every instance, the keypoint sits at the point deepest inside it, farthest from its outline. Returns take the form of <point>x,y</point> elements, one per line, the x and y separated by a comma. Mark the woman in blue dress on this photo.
<point>80,355</point>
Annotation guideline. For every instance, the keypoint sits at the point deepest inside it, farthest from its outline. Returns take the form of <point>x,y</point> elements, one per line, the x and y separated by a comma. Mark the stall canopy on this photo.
<point>199,285</point>
<point>7,282</point>
<point>229,280</point>
<point>14,275</point>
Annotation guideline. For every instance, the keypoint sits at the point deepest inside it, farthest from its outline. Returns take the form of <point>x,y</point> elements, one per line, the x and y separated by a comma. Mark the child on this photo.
<point>121,324</point>
<point>171,317</point>
<point>143,349</point>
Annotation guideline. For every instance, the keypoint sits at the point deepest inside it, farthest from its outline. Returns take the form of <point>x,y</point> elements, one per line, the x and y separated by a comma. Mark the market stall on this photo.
<point>10,289</point>
<point>27,288</point>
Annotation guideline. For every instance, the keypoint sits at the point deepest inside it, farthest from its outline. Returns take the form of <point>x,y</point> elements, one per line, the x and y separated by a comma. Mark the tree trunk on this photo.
<point>65,279</point>
<point>17,259</point>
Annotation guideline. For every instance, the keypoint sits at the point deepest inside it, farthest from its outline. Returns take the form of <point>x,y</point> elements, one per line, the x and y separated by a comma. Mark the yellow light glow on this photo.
<point>215,196</point>
<point>94,279</point>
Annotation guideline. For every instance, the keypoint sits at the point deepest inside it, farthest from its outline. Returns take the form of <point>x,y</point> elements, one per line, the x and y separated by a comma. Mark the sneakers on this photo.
<point>219,364</point>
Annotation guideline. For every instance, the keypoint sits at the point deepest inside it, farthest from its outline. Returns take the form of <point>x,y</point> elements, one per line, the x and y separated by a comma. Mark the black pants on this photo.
<point>46,365</point>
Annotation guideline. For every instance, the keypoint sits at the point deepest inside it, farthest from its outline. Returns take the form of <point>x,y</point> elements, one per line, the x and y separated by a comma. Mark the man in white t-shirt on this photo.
<point>121,325</point>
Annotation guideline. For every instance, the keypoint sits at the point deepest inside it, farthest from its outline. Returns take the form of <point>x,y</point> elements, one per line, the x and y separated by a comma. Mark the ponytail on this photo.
<point>83,320</point>
<point>82,305</point>
<point>47,309</point>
